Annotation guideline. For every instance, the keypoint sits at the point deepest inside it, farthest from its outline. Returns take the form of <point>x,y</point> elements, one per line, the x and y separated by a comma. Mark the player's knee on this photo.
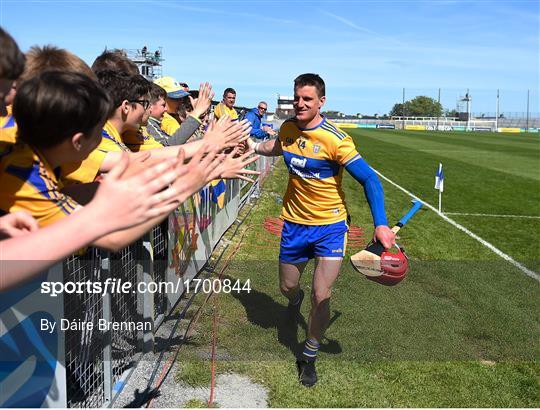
<point>320,296</point>
<point>286,286</point>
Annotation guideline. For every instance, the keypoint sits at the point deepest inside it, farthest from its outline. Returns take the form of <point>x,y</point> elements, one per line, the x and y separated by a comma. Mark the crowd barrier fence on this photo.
<point>43,366</point>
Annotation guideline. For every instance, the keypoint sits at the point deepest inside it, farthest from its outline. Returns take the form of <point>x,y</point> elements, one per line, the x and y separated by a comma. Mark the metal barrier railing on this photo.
<point>97,362</point>
<point>84,349</point>
<point>159,245</point>
<point>87,366</point>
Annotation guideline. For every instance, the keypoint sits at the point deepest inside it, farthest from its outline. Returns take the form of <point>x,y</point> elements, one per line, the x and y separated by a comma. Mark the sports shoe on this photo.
<point>294,309</point>
<point>306,372</point>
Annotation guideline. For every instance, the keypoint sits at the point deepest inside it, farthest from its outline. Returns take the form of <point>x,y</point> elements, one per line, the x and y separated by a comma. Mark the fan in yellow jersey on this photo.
<point>30,171</point>
<point>175,92</point>
<point>140,140</point>
<point>130,100</point>
<point>60,118</point>
<point>314,210</point>
<point>226,106</point>
<point>120,203</point>
<point>125,118</point>
<point>72,173</point>
<point>39,59</point>
<point>170,123</point>
<point>8,127</point>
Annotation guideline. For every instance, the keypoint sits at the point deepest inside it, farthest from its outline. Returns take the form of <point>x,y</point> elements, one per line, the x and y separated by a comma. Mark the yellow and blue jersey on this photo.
<point>72,173</point>
<point>30,184</point>
<point>218,192</point>
<point>169,124</point>
<point>111,140</point>
<point>221,109</point>
<point>140,141</point>
<point>83,172</point>
<point>8,127</point>
<point>87,170</point>
<point>315,159</point>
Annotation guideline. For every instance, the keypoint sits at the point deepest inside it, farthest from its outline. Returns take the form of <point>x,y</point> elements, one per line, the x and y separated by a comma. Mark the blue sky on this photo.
<point>366,51</point>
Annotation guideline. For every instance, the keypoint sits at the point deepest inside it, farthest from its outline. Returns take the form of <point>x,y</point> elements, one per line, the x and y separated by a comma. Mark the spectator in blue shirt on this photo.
<point>254,116</point>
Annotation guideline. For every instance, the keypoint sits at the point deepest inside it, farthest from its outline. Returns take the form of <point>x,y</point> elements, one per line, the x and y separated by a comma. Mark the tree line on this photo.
<point>421,106</point>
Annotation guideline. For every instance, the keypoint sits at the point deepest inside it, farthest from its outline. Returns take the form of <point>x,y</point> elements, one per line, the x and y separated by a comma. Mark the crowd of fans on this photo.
<point>99,155</point>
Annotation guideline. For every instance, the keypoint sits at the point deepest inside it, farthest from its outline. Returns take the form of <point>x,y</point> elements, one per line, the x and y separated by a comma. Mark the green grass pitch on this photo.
<point>462,330</point>
<point>485,173</point>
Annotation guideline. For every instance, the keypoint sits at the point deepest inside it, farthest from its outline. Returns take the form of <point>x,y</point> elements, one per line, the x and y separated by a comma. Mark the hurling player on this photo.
<point>314,211</point>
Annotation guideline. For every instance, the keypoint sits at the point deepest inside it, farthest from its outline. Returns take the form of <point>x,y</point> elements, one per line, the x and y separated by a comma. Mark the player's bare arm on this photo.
<point>270,148</point>
<point>121,202</point>
<point>189,178</point>
<point>222,134</point>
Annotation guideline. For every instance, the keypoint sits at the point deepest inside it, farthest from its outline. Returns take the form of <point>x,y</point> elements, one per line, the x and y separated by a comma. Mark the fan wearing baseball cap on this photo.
<point>170,124</point>
<point>174,90</point>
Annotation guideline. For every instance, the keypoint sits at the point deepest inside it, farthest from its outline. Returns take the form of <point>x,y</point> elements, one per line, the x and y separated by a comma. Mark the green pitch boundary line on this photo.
<point>488,245</point>
<point>493,215</point>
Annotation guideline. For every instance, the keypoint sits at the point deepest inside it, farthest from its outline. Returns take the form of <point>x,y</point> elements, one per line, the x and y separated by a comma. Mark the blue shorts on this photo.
<point>300,243</point>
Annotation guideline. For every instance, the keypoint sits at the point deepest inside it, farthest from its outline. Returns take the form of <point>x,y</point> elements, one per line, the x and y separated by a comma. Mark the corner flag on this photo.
<point>439,179</point>
<point>439,184</point>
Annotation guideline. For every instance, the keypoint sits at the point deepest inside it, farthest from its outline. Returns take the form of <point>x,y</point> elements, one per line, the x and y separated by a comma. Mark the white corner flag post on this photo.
<point>439,184</point>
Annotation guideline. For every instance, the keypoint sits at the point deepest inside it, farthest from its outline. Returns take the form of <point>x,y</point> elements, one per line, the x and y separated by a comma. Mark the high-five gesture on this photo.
<point>202,103</point>
<point>198,172</point>
<point>226,133</point>
<point>234,165</point>
<point>138,197</point>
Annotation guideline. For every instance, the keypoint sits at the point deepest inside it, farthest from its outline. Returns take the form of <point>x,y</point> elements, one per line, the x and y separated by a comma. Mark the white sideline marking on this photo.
<point>494,215</point>
<point>503,255</point>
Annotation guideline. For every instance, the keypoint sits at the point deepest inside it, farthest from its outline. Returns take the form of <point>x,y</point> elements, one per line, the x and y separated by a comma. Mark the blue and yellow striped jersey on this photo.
<point>72,173</point>
<point>30,184</point>
<point>140,141</point>
<point>8,127</point>
<point>83,172</point>
<point>111,140</point>
<point>315,159</point>
<point>221,109</point>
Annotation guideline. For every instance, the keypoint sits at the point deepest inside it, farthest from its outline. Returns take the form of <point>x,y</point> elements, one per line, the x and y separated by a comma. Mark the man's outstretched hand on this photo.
<point>234,165</point>
<point>226,133</point>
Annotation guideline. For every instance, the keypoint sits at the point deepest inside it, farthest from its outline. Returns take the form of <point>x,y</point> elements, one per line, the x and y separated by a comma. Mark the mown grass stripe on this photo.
<point>484,156</point>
